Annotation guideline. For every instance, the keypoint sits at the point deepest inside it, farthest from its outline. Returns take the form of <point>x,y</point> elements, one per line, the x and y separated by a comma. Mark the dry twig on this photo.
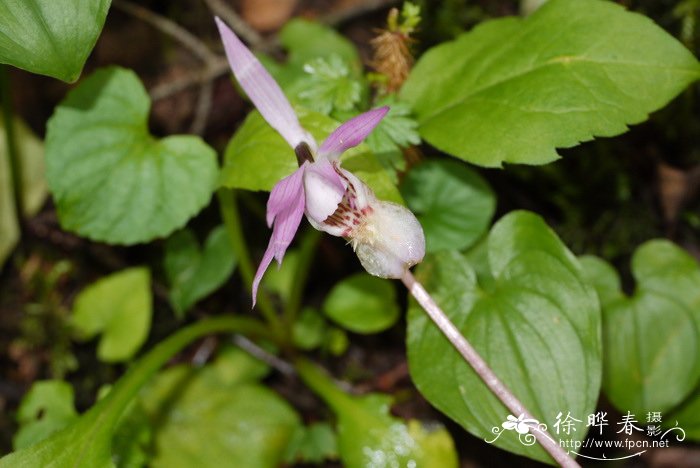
<point>201,112</point>
<point>192,43</point>
<point>212,71</point>
<point>242,29</point>
<point>282,366</point>
<point>167,26</point>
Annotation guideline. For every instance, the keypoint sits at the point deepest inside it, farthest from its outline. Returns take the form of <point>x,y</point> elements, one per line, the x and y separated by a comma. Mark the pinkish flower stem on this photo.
<point>482,369</point>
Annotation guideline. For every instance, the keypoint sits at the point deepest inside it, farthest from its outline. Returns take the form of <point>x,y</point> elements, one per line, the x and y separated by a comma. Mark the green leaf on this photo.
<point>687,415</point>
<point>306,40</point>
<point>323,70</point>
<point>536,322</point>
<point>313,444</point>
<point>111,180</point>
<point>281,280</point>
<point>363,303</point>
<point>573,70</point>
<point>328,85</point>
<point>31,152</point>
<point>651,339</point>
<point>369,436</point>
<point>194,272</point>
<point>368,169</point>
<point>9,226</point>
<point>46,408</point>
<point>309,329</point>
<point>257,157</point>
<point>88,440</point>
<point>50,37</point>
<point>118,307</point>
<point>453,203</point>
<point>602,276</point>
<point>31,155</point>
<point>396,130</point>
<point>217,415</point>
<point>336,341</point>
<point>132,440</point>
<point>285,74</point>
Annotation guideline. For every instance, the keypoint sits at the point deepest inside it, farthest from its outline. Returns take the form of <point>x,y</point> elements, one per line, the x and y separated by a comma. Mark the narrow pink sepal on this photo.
<point>352,133</point>
<point>285,208</point>
<point>262,268</point>
<point>284,193</point>
<point>262,89</point>
<point>323,188</point>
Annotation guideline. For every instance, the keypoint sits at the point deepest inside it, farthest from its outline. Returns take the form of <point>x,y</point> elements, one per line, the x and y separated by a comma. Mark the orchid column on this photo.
<point>387,237</point>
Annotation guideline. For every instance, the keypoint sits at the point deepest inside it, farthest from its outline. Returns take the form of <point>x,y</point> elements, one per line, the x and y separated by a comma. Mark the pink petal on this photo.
<point>352,133</point>
<point>361,195</point>
<point>352,209</point>
<point>323,189</point>
<point>262,268</point>
<point>285,192</point>
<point>262,89</point>
<point>285,209</point>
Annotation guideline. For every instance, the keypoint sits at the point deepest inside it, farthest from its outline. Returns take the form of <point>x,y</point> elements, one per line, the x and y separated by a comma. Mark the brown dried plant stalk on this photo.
<point>392,56</point>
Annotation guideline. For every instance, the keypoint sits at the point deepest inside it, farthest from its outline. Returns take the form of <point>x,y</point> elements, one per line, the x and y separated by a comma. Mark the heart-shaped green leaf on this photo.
<point>515,89</point>
<point>217,415</point>
<point>453,203</point>
<point>257,157</point>
<point>651,339</point>
<point>534,320</point>
<point>119,308</point>
<point>46,408</point>
<point>194,272</point>
<point>50,37</point>
<point>363,303</point>
<point>111,180</point>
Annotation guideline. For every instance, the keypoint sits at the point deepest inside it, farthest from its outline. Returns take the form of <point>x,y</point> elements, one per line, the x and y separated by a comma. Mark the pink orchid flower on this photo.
<point>386,237</point>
